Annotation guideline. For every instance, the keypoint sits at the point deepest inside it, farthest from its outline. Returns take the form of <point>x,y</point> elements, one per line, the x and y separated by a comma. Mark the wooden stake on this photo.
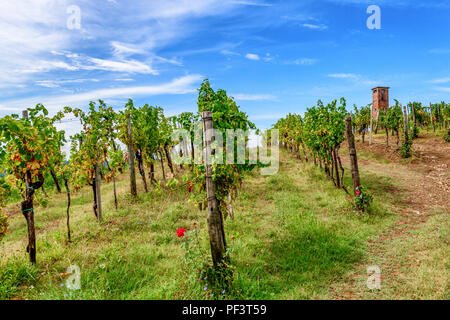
<point>131,160</point>
<point>405,123</point>
<point>97,186</point>
<point>115,192</point>
<point>371,127</point>
<point>215,220</point>
<point>432,119</point>
<point>66,183</point>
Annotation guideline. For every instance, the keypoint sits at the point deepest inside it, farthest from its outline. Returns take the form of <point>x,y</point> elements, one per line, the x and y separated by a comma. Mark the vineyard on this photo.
<point>141,218</point>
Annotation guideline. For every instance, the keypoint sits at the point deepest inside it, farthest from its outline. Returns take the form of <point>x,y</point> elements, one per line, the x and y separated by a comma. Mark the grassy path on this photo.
<point>414,253</point>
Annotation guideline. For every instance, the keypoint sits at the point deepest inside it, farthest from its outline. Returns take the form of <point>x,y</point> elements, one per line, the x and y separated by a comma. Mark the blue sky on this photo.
<point>274,57</point>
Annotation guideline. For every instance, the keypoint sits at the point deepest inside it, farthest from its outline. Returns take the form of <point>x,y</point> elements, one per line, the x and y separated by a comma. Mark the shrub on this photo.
<point>405,148</point>
<point>212,282</point>
<point>363,199</point>
<point>414,132</point>
<point>3,225</point>
<point>446,136</point>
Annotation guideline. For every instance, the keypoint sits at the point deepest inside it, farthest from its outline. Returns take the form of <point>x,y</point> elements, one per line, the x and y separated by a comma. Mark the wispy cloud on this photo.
<point>252,3</point>
<point>82,62</point>
<point>267,57</point>
<point>344,75</point>
<point>183,85</point>
<point>124,49</point>
<point>229,53</point>
<point>357,78</point>
<point>299,17</point>
<point>252,56</point>
<point>315,26</point>
<point>254,97</point>
<point>439,81</point>
<point>442,89</point>
<point>31,32</point>
<point>127,66</point>
<point>58,83</point>
<point>5,108</point>
<point>304,61</point>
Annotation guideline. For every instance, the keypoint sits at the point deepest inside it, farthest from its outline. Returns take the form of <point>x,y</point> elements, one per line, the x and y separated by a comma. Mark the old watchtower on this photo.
<point>380,100</point>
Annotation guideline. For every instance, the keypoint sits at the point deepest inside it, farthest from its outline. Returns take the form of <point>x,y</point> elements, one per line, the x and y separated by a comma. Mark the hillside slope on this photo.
<point>294,236</point>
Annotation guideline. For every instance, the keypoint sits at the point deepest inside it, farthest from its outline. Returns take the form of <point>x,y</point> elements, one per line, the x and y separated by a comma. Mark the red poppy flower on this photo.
<point>358,192</point>
<point>180,232</point>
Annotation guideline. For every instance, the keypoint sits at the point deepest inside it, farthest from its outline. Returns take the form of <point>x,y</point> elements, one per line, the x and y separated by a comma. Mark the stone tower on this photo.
<point>380,100</point>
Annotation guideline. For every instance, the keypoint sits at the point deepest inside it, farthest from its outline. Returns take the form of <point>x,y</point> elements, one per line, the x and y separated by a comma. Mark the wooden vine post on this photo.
<point>352,152</point>
<point>97,187</point>
<point>66,183</point>
<point>28,209</point>
<point>405,122</point>
<point>432,119</point>
<point>215,219</point>
<point>131,160</point>
<point>115,191</point>
<point>371,127</point>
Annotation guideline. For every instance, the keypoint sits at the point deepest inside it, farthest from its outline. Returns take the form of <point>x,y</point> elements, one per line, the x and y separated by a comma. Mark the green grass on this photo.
<point>294,235</point>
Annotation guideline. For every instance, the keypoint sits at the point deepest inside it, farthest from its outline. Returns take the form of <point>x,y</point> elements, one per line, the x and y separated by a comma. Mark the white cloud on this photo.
<point>34,38</point>
<point>299,17</point>
<point>253,97</point>
<point>252,56</point>
<point>58,83</point>
<point>28,31</point>
<point>124,79</point>
<point>5,108</point>
<point>252,3</point>
<point>359,79</point>
<point>229,53</point>
<point>83,62</point>
<point>305,61</point>
<point>344,75</point>
<point>315,26</point>
<point>439,81</point>
<point>181,85</point>
<point>127,66</point>
<point>442,89</point>
<point>124,49</point>
<point>267,58</point>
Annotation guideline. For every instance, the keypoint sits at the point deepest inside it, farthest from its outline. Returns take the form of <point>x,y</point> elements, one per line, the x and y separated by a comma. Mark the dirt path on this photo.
<point>425,191</point>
